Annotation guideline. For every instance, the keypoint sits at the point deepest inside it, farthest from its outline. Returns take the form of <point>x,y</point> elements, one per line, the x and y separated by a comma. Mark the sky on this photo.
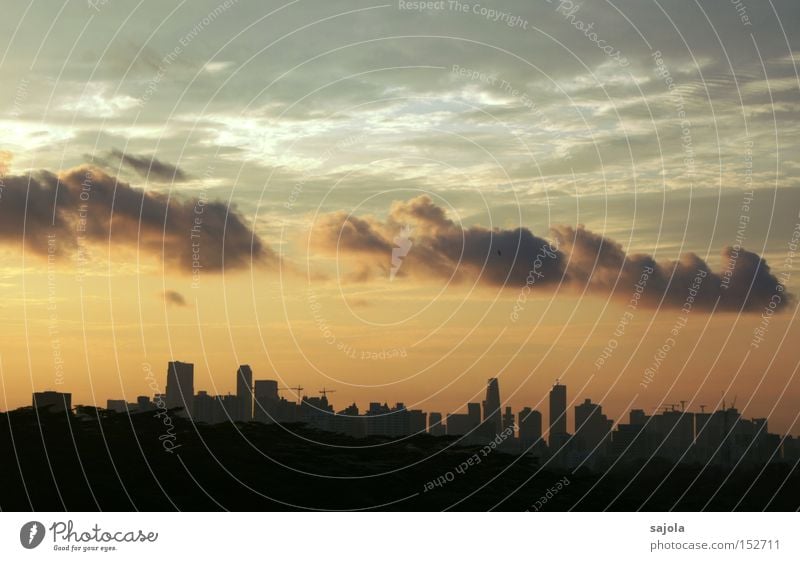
<point>399,201</point>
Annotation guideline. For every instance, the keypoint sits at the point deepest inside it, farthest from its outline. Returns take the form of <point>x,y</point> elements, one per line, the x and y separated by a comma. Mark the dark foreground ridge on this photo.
<point>100,460</point>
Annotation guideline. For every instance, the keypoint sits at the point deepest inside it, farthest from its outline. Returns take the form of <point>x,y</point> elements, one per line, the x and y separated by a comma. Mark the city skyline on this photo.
<point>557,398</point>
<point>722,436</point>
<point>274,384</point>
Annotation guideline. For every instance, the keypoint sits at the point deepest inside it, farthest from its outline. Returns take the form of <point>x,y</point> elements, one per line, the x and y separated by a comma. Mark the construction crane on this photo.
<point>325,392</point>
<point>297,390</point>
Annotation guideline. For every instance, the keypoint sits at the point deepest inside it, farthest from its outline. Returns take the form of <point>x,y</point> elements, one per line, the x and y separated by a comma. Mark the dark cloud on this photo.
<point>85,204</point>
<point>173,298</point>
<point>150,167</point>
<point>441,248</point>
<point>600,264</point>
<point>576,259</point>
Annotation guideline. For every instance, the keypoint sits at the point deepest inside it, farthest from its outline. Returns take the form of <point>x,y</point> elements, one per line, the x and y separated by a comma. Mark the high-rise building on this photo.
<point>205,408</point>
<point>558,414</point>
<point>229,406</point>
<point>673,431</point>
<point>318,413</point>
<point>508,422</point>
<point>459,424</point>
<point>54,402</point>
<point>347,421</point>
<point>592,429</point>
<point>630,441</point>
<point>244,393</point>
<point>417,421</point>
<point>474,413</point>
<point>491,407</point>
<point>380,419</point>
<point>435,424</point>
<point>180,386</point>
<point>267,401</point>
<point>530,427</point>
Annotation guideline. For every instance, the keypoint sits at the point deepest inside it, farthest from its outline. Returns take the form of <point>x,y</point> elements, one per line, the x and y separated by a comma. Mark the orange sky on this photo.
<point>438,350</point>
<point>310,138</point>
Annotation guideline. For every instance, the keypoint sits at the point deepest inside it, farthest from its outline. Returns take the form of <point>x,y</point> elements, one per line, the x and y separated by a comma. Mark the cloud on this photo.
<point>576,259</point>
<point>173,298</point>
<point>84,204</point>
<point>150,167</point>
<point>440,248</point>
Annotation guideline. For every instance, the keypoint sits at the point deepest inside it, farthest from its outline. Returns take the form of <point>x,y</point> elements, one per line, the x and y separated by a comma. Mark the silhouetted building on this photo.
<point>530,428</point>
<point>180,386</point>
<point>727,439</point>
<point>464,423</point>
<point>317,412</point>
<point>672,433</point>
<point>491,407</point>
<point>143,404</point>
<point>385,421</point>
<point>592,431</point>
<point>719,438</point>
<point>558,416</point>
<point>205,408</point>
<point>214,409</point>
<point>350,411</point>
<point>349,422</point>
<point>117,405</point>
<point>417,421</point>
<point>474,412</point>
<point>509,424</point>
<point>267,401</point>
<point>230,407</point>
<point>435,424</point>
<point>244,393</point>
<point>55,402</point>
<point>791,450</point>
<point>628,441</point>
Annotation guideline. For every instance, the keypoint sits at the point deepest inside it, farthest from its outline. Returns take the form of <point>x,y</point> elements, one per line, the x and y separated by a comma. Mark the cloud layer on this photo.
<point>149,167</point>
<point>84,204</point>
<point>576,259</point>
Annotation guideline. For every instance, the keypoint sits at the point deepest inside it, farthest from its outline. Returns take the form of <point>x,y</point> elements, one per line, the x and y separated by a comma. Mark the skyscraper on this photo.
<point>474,413</point>
<point>267,401</point>
<point>180,386</point>
<point>508,422</point>
<point>491,407</point>
<point>592,429</point>
<point>558,414</point>
<point>530,427</point>
<point>244,392</point>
